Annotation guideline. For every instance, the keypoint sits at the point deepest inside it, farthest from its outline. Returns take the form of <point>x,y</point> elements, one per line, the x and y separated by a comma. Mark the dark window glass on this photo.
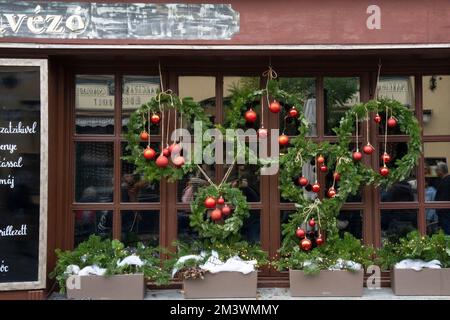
<point>251,231</point>
<point>140,226</point>
<point>397,223</point>
<point>438,219</point>
<point>89,222</point>
<point>185,232</point>
<point>350,221</point>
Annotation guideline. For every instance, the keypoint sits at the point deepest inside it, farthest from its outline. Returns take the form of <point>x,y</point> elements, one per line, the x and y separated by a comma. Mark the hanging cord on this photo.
<point>378,79</point>
<point>385,135</point>
<point>313,206</point>
<point>270,74</point>
<point>367,126</point>
<point>357,133</point>
<point>148,125</point>
<point>207,177</point>
<point>227,174</point>
<point>168,126</point>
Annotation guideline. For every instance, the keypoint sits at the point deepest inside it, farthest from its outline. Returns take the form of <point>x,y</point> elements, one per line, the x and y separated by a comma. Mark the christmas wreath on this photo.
<point>396,115</point>
<point>168,161</point>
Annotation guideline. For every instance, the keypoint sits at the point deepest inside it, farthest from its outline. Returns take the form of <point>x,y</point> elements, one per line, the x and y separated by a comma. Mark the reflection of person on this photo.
<point>191,188</point>
<point>131,187</point>
<point>247,190</point>
<point>430,214</point>
<point>443,194</point>
<point>400,191</point>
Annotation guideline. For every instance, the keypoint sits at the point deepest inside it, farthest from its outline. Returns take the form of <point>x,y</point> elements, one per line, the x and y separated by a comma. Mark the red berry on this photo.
<point>323,168</point>
<point>303,181</point>
<point>331,193</point>
<point>315,187</point>
<point>306,244</point>
<point>162,161</point>
<point>336,176</point>
<point>392,122</point>
<point>386,158</point>
<point>262,133</point>
<point>144,136</point>
<point>293,112</point>
<point>275,107</point>
<point>149,153</point>
<point>384,171</point>
<point>320,159</point>
<point>312,223</point>
<point>368,149</point>
<point>300,233</point>
<point>155,119</point>
<point>283,140</point>
<point>210,202</point>
<point>216,214</point>
<point>226,210</point>
<point>250,116</point>
<point>377,118</point>
<point>357,156</point>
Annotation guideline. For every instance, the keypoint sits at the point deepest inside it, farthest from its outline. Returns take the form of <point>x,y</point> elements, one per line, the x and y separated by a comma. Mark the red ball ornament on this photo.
<point>392,122</point>
<point>175,148</point>
<point>319,241</point>
<point>226,210</point>
<point>311,222</point>
<point>216,215</point>
<point>155,119</point>
<point>262,133</point>
<point>283,140</point>
<point>377,118</point>
<point>149,153</point>
<point>357,156</point>
<point>336,176</point>
<point>221,200</point>
<point>162,161</point>
<point>275,107</point>
<point>303,181</point>
<point>179,161</point>
<point>320,159</point>
<point>368,149</point>
<point>300,233</point>
<point>293,112</point>
<point>331,193</point>
<point>306,244</point>
<point>315,187</point>
<point>210,202</point>
<point>250,116</point>
<point>166,152</point>
<point>323,168</point>
<point>384,171</point>
<point>386,158</point>
<point>144,136</point>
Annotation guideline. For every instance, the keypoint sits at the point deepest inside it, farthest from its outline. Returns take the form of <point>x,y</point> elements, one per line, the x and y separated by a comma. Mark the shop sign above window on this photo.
<point>143,21</point>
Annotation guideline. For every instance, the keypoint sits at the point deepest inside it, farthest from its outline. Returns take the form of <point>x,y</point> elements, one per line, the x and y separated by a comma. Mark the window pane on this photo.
<point>247,178</point>
<point>396,224</point>
<point>188,186</point>
<point>405,190</point>
<point>94,172</point>
<point>437,179</point>
<point>88,222</point>
<point>140,226</point>
<point>340,94</point>
<point>133,187</point>
<point>350,221</point>
<point>94,104</point>
<point>251,231</point>
<point>438,219</point>
<point>136,91</point>
<point>436,102</point>
<point>185,232</point>
<point>305,90</point>
<point>203,91</point>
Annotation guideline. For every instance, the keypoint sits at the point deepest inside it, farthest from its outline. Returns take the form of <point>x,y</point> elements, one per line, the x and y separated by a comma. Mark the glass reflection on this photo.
<point>436,99</point>
<point>247,179</point>
<point>187,187</point>
<point>350,221</point>
<point>140,226</point>
<point>89,222</point>
<point>251,230</point>
<point>185,232</point>
<point>397,223</point>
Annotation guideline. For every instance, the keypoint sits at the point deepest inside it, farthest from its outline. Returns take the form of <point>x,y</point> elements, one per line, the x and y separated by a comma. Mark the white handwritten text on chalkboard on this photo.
<point>4,268</point>
<point>19,128</point>
<point>10,231</point>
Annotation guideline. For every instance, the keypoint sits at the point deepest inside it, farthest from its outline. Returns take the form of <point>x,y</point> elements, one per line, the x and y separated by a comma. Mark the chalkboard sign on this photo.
<point>23,173</point>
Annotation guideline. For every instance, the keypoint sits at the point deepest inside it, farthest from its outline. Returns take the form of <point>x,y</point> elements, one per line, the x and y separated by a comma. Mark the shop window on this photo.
<point>397,223</point>
<point>436,102</point>
<point>437,179</point>
<point>350,221</point>
<point>187,187</point>
<point>438,219</point>
<point>94,172</point>
<point>140,226</point>
<point>94,104</point>
<point>340,94</point>
<point>136,91</point>
<point>89,222</point>
<point>133,187</point>
<point>184,231</point>
<point>305,90</point>
<point>251,231</point>
<point>247,178</point>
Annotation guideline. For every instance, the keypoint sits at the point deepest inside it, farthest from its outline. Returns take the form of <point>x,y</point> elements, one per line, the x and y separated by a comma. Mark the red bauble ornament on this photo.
<point>149,153</point>
<point>306,244</point>
<point>293,112</point>
<point>250,116</point>
<point>303,181</point>
<point>320,159</point>
<point>166,152</point>
<point>323,168</point>
<point>162,161</point>
<point>377,118</point>
<point>300,233</point>
<point>216,214</point>
<point>144,136</point>
<point>384,171</point>
<point>336,176</point>
<point>311,222</point>
<point>175,148</point>
<point>155,118</point>
<point>315,187</point>
<point>275,107</point>
<point>221,200</point>
<point>386,158</point>
<point>319,241</point>
<point>179,161</point>
<point>283,140</point>
<point>368,149</point>
<point>357,156</point>
<point>392,122</point>
<point>331,193</point>
<point>262,133</point>
<point>226,210</point>
<point>210,202</point>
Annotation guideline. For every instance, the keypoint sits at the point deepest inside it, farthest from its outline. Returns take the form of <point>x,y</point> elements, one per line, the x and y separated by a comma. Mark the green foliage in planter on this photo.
<point>326,256</point>
<point>415,246</point>
<point>106,254</point>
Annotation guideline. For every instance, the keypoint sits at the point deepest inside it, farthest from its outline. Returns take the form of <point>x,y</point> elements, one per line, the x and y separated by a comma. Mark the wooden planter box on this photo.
<point>117,287</point>
<point>222,285</point>
<point>336,283</point>
<point>426,282</point>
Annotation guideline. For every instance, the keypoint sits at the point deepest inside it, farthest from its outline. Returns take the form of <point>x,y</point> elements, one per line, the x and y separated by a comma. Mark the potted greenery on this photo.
<point>219,264</point>
<point>420,265</point>
<point>105,269</point>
